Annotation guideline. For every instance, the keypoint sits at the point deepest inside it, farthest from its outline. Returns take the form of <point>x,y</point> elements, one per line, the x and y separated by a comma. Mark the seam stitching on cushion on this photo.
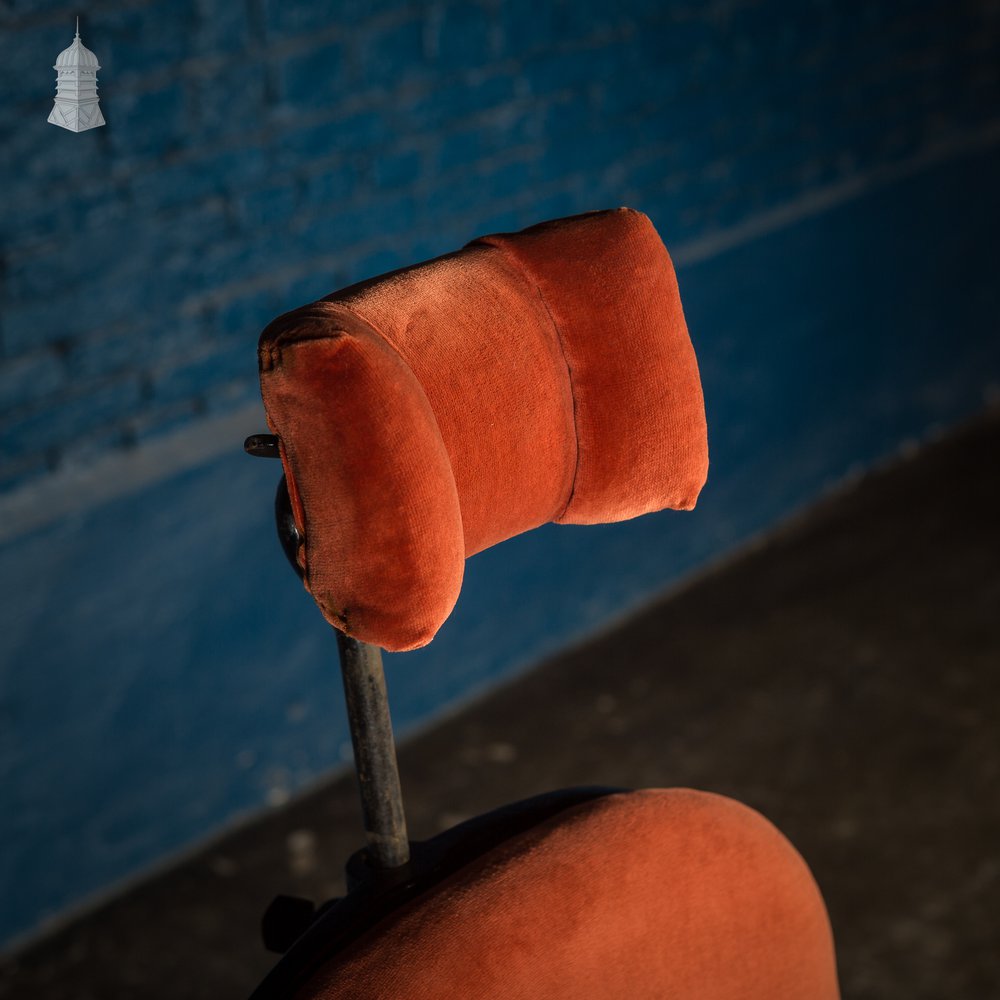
<point>572,395</point>
<point>498,242</point>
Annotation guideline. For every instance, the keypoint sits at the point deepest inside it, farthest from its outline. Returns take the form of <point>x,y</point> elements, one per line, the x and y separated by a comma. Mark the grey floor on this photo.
<point>843,679</point>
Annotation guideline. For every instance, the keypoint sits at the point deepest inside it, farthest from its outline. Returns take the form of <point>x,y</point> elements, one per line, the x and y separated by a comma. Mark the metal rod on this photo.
<point>374,752</point>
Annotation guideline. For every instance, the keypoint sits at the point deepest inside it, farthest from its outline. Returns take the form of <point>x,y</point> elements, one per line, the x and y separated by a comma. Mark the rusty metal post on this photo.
<point>374,753</point>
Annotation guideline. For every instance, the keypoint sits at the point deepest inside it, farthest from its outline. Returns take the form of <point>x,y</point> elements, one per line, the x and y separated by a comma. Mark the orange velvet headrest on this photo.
<point>429,413</point>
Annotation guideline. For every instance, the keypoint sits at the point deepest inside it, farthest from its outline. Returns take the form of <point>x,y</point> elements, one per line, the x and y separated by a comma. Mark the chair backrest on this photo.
<point>427,414</point>
<point>639,895</point>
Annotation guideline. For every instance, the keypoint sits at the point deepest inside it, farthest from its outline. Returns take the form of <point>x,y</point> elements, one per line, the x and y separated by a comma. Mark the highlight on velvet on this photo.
<point>426,414</point>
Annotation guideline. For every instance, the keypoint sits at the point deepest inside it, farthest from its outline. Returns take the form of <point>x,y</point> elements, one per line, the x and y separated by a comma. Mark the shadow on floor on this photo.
<point>843,679</point>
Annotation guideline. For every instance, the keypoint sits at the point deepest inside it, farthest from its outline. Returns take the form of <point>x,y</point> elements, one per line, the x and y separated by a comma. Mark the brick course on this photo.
<point>261,153</point>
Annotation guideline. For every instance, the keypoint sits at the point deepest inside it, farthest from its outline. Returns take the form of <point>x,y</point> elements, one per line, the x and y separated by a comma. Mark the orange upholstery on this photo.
<point>655,894</point>
<point>425,415</point>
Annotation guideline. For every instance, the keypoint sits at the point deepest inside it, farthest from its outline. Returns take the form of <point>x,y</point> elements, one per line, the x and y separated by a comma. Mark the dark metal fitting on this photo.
<point>262,446</point>
<point>288,533</point>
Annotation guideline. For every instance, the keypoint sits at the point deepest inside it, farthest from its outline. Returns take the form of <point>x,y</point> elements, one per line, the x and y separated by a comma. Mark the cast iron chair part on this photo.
<point>310,937</point>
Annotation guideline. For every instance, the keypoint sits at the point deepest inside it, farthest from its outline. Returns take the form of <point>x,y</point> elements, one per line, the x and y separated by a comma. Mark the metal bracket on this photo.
<point>268,446</point>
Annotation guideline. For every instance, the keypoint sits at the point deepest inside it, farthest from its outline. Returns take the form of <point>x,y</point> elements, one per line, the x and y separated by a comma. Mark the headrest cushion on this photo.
<point>432,412</point>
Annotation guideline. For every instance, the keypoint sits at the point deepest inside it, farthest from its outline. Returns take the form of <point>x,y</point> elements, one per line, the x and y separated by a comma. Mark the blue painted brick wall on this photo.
<point>260,153</point>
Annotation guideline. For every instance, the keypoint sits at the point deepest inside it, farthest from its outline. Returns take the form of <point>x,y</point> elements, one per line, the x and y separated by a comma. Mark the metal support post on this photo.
<point>374,752</point>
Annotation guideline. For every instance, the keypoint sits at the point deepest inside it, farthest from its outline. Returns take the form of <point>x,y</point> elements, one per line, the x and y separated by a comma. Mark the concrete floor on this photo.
<point>842,678</point>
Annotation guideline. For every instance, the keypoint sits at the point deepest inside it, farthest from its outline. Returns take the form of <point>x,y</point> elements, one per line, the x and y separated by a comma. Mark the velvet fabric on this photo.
<point>432,412</point>
<point>655,894</point>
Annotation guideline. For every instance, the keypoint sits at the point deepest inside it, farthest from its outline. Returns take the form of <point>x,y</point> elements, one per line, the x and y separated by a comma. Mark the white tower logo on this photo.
<point>76,106</point>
